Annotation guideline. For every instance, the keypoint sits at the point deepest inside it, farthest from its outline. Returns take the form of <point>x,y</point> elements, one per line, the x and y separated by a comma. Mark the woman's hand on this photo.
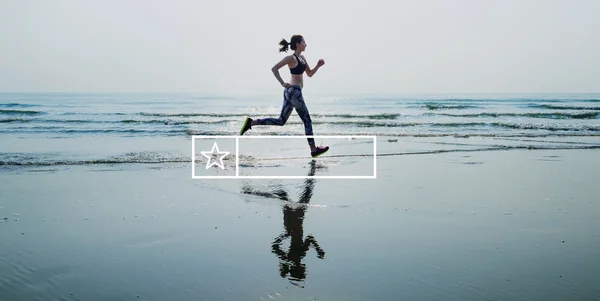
<point>286,85</point>
<point>320,63</point>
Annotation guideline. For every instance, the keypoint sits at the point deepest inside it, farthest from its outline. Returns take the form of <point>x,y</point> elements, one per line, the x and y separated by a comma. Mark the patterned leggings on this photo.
<point>292,98</point>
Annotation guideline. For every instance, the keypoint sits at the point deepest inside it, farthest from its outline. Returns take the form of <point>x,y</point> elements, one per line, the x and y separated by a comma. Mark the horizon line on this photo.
<point>259,93</point>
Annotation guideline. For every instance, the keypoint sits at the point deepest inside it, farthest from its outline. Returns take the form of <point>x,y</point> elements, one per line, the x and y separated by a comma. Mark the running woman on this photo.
<point>292,94</point>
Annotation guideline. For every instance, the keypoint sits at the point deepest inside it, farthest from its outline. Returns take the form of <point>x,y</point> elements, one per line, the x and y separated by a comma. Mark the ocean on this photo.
<point>80,128</point>
<point>476,197</point>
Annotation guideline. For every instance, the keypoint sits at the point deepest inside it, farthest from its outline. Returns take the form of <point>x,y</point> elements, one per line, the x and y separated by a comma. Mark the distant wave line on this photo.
<point>17,105</point>
<point>586,115</point>
<point>19,112</point>
<point>370,116</point>
<point>566,107</point>
<point>375,117</point>
<point>463,125</point>
<point>188,160</point>
<point>418,135</point>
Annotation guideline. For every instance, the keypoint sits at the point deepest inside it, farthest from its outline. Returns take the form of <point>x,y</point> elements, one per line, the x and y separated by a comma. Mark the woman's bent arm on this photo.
<point>311,72</point>
<point>276,68</point>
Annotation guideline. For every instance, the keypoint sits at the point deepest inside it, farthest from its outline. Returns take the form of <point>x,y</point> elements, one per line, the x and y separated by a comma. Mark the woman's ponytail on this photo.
<point>294,41</point>
<point>284,45</point>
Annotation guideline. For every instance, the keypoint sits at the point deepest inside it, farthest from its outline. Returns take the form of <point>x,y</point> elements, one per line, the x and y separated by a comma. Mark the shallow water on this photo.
<point>512,226</point>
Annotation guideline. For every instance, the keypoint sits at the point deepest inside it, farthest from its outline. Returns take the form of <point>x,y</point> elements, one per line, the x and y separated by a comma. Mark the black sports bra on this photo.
<point>299,69</point>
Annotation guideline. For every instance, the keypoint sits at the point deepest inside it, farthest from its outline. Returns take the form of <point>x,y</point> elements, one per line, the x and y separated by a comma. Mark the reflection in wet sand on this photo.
<point>290,260</point>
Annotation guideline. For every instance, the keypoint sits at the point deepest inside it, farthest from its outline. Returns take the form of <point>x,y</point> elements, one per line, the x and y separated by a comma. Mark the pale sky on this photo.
<point>229,46</point>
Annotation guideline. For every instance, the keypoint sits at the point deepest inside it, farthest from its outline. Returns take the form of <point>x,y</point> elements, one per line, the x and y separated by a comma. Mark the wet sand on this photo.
<point>464,225</point>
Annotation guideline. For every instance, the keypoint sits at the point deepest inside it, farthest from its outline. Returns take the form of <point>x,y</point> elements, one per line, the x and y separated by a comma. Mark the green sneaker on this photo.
<point>247,126</point>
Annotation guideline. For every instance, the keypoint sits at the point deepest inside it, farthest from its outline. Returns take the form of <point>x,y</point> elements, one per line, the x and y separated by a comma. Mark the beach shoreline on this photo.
<point>460,225</point>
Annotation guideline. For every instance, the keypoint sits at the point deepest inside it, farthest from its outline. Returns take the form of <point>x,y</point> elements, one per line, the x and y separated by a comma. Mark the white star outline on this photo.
<point>209,156</point>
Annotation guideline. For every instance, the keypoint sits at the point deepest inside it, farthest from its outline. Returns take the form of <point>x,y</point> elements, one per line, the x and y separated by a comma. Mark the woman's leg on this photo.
<point>286,111</point>
<point>292,99</point>
<point>297,100</point>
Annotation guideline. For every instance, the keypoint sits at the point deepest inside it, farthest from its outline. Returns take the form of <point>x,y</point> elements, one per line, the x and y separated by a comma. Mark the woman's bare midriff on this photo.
<point>296,80</point>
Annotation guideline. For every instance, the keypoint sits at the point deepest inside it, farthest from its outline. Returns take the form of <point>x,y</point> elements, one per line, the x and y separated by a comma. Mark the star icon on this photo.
<point>210,154</point>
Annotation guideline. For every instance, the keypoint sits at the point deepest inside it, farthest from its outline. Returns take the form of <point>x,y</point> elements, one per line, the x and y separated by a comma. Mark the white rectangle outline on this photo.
<point>237,140</point>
